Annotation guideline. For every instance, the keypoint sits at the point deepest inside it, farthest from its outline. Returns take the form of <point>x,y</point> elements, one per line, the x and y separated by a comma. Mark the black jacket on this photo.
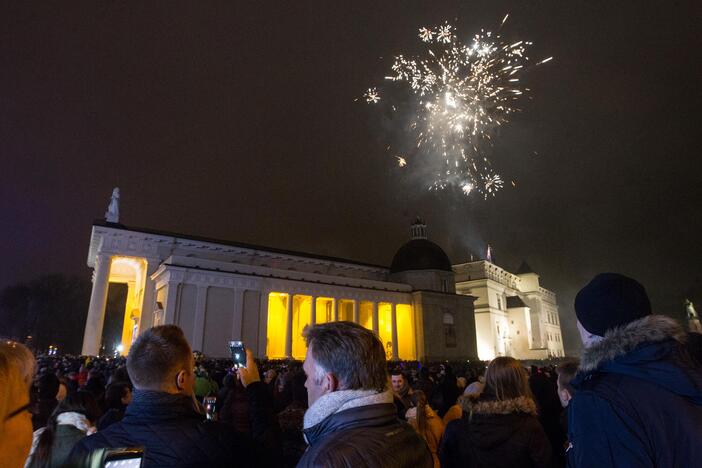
<point>174,434</point>
<point>366,436</point>
<point>495,433</point>
<point>638,400</point>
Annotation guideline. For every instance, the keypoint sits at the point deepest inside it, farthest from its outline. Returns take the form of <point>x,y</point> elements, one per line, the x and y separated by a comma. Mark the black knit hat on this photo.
<point>610,300</point>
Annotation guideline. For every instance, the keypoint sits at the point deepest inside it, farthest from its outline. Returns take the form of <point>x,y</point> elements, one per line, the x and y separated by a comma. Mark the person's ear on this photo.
<point>331,383</point>
<point>180,379</point>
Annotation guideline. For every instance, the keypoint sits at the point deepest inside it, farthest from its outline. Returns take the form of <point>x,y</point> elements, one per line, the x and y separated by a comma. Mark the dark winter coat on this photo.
<point>174,434</point>
<point>495,433</point>
<point>365,436</point>
<point>638,400</point>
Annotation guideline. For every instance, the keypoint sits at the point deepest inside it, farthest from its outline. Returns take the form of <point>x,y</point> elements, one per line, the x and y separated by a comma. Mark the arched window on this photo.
<point>449,330</point>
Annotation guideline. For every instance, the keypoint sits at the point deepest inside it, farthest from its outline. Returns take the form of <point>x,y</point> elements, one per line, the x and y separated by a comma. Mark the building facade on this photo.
<point>514,315</point>
<point>218,291</point>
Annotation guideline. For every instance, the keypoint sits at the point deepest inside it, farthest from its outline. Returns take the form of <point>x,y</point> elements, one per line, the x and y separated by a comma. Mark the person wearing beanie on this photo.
<point>638,394</point>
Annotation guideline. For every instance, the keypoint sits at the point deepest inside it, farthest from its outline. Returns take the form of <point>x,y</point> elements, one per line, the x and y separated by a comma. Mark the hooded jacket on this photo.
<point>638,400</point>
<point>495,433</point>
<point>356,428</point>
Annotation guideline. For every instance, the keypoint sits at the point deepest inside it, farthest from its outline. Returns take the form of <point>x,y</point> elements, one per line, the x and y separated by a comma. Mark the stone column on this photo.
<point>356,312</point>
<point>169,308</point>
<point>199,320</point>
<point>393,318</point>
<point>238,319</point>
<point>262,344</point>
<point>148,304</point>
<point>335,310</point>
<point>289,326</point>
<point>96,310</point>
<point>376,327</point>
<point>313,310</point>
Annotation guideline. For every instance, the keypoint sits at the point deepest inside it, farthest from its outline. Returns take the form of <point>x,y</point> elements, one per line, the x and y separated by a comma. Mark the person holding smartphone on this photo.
<point>163,419</point>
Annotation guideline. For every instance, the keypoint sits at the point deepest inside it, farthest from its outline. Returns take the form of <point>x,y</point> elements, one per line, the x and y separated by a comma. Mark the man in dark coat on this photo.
<point>352,420</point>
<point>163,416</point>
<point>638,399</point>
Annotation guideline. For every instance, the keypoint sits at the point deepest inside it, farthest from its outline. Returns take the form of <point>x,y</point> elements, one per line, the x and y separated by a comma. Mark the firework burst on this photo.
<point>463,90</point>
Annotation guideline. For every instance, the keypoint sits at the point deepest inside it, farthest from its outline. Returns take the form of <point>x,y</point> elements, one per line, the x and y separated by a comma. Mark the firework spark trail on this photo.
<point>464,91</point>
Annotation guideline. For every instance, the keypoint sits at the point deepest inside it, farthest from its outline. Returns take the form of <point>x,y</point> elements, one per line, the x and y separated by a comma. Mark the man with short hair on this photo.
<point>638,399</point>
<point>163,416</point>
<point>352,420</point>
<point>403,394</point>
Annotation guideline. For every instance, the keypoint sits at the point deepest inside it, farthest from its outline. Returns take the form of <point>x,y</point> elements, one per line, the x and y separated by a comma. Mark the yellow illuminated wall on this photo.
<point>277,322</point>
<point>385,327</point>
<point>302,308</point>
<point>324,310</point>
<point>405,332</point>
<point>346,310</point>
<point>365,314</point>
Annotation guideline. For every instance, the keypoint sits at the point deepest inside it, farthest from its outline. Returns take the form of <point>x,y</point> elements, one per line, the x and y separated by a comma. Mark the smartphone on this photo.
<point>238,353</point>
<point>124,458</point>
<point>210,402</point>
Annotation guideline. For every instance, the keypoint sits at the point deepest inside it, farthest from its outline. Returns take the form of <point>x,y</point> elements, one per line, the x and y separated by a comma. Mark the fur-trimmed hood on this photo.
<point>622,340</point>
<point>489,406</point>
<point>496,426</point>
<point>650,350</point>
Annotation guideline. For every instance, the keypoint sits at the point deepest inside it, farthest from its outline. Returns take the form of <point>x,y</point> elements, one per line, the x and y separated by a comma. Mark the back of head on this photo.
<point>155,355</point>
<point>81,402</point>
<point>115,393</point>
<point>47,386</point>
<point>352,353</point>
<point>119,375</point>
<point>507,379</point>
<point>20,357</point>
<point>610,300</point>
<point>78,402</point>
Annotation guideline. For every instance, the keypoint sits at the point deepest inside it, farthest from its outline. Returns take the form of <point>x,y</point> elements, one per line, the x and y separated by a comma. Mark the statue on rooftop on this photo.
<point>690,309</point>
<point>112,213</point>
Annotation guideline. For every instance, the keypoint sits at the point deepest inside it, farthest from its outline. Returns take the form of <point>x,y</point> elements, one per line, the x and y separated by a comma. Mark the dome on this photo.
<point>420,254</point>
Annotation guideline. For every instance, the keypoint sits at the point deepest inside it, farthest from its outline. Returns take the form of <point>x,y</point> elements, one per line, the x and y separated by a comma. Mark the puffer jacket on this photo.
<point>365,436</point>
<point>638,399</point>
<point>174,434</point>
<point>495,433</point>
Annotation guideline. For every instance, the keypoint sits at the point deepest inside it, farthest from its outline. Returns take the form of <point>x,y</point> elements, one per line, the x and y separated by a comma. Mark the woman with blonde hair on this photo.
<point>499,428</point>
<point>16,373</point>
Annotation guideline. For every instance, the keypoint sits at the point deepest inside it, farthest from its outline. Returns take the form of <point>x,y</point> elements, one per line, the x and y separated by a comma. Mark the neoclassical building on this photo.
<point>421,307</point>
<point>218,291</point>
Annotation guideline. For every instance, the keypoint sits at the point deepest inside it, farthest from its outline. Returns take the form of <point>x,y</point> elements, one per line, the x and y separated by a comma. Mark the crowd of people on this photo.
<point>633,399</point>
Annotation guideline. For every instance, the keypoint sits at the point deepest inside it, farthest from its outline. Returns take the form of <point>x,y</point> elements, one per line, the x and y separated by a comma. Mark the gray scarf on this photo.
<point>341,400</point>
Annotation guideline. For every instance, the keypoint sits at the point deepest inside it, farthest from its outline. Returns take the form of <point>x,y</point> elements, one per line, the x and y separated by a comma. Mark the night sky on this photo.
<point>237,120</point>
